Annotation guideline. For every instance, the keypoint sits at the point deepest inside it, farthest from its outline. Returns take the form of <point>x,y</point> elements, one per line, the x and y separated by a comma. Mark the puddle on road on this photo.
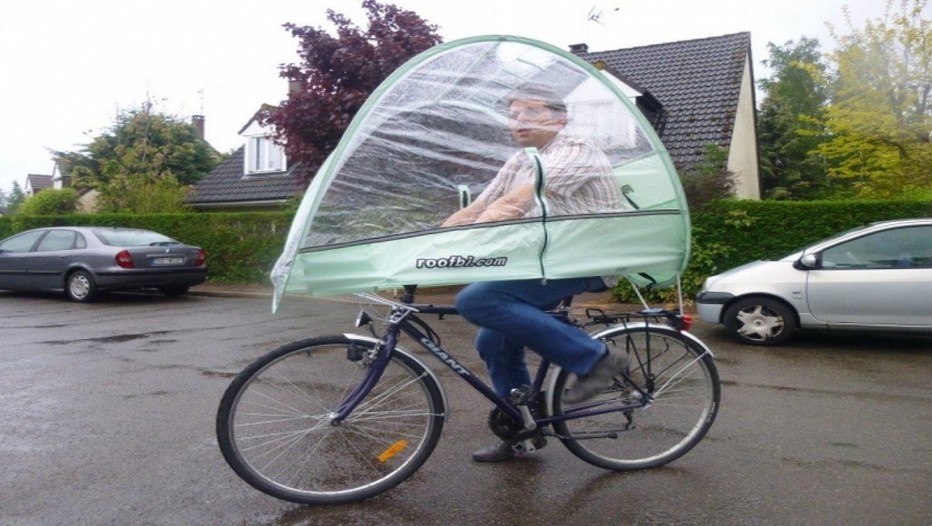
<point>117,338</point>
<point>219,374</point>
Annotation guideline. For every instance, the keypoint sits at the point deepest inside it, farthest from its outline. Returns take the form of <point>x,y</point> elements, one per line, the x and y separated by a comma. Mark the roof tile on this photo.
<point>228,184</point>
<point>697,81</point>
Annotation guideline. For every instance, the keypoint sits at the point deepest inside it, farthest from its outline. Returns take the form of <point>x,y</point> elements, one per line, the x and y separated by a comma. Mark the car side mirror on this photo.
<point>807,262</point>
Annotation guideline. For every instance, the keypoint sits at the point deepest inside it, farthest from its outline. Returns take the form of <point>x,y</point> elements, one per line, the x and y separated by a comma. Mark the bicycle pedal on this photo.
<point>529,445</point>
<point>522,448</point>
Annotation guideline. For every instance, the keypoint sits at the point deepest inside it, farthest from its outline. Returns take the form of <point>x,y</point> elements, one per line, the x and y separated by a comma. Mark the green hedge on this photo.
<point>242,247</point>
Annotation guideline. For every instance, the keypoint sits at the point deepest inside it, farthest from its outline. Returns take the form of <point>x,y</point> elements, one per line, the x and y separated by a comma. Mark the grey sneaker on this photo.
<point>600,377</point>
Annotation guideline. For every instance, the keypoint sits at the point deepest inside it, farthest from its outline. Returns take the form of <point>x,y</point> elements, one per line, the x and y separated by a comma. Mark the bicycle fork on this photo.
<point>376,368</point>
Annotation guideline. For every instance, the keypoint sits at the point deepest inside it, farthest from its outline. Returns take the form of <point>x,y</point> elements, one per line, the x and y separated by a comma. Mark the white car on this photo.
<point>876,278</point>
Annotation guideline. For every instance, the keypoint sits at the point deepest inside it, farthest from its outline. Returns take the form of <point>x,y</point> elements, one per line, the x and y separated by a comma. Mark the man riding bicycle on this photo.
<point>511,314</point>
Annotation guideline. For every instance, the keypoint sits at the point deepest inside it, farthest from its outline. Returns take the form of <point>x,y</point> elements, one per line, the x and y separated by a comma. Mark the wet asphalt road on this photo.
<point>107,414</point>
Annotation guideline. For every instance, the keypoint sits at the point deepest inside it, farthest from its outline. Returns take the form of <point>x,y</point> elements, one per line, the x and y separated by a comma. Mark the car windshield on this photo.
<point>132,238</point>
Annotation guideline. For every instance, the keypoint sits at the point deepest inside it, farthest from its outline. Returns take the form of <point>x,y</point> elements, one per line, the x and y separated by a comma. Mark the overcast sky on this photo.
<point>70,66</point>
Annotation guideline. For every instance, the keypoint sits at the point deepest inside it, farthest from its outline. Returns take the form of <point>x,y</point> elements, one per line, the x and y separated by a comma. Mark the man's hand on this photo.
<point>465,216</point>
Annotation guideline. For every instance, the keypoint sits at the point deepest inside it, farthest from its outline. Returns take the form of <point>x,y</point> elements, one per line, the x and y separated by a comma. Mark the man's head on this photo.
<point>535,115</point>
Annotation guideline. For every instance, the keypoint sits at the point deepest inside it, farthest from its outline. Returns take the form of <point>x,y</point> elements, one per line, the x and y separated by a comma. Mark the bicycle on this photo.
<point>342,418</point>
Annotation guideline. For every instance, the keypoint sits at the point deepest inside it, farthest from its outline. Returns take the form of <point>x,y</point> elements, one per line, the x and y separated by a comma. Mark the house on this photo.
<point>36,183</point>
<point>257,176</point>
<point>697,92</point>
<point>87,197</point>
<point>694,93</point>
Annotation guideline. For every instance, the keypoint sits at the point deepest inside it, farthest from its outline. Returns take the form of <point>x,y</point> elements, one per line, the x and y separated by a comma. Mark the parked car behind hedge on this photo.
<point>877,277</point>
<point>85,261</point>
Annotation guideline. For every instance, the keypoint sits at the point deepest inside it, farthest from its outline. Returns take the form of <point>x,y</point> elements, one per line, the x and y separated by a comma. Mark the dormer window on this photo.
<point>263,155</point>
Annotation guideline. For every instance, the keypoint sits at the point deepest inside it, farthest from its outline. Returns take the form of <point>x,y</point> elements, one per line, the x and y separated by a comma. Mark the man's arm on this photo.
<point>512,205</point>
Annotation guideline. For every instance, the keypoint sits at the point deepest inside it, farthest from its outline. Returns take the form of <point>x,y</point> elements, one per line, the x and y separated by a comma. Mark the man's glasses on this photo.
<point>528,113</point>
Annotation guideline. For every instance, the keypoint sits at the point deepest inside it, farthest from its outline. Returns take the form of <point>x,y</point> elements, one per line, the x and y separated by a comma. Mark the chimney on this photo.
<point>294,86</point>
<point>579,49</point>
<point>198,122</point>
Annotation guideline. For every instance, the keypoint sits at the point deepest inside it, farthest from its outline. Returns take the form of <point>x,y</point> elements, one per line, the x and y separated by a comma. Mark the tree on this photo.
<point>337,74</point>
<point>50,202</point>
<point>791,122</point>
<point>709,179</point>
<point>146,193</point>
<point>144,153</point>
<point>2,198</point>
<point>16,198</point>
<point>879,118</point>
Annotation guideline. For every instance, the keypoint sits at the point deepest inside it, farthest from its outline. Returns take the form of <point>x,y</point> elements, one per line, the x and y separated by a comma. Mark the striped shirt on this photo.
<point>577,179</point>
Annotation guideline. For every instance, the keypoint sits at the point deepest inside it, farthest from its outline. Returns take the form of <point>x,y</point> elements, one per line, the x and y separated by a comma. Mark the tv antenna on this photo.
<point>596,14</point>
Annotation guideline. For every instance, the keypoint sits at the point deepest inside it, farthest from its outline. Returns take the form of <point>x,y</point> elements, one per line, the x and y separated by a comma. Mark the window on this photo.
<point>133,238</point>
<point>57,240</point>
<point>908,247</point>
<point>22,242</point>
<point>263,155</point>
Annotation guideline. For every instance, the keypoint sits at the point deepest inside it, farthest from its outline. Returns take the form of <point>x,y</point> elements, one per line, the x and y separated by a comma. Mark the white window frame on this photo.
<point>263,155</point>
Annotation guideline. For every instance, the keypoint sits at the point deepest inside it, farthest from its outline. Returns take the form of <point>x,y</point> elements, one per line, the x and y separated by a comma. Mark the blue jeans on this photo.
<point>511,316</point>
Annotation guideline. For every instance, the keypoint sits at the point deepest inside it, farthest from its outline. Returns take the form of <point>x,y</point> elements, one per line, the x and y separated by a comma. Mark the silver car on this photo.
<point>877,277</point>
<point>85,261</point>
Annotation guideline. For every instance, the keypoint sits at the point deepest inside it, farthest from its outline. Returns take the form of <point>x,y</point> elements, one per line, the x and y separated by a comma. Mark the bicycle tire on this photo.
<point>685,393</point>
<point>274,422</point>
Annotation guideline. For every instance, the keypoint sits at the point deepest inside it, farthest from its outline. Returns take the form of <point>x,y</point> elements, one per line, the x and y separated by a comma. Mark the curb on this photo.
<point>230,293</point>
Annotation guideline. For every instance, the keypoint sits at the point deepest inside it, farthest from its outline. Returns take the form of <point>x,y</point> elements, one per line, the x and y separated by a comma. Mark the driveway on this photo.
<point>107,414</point>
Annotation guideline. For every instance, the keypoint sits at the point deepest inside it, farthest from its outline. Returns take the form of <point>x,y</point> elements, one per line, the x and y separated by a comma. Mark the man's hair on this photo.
<point>537,92</point>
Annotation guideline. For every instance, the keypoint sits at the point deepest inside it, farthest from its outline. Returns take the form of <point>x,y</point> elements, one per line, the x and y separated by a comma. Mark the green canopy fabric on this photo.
<point>433,135</point>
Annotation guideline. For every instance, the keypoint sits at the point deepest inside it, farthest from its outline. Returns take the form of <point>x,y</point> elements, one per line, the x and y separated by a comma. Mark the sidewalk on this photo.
<point>232,291</point>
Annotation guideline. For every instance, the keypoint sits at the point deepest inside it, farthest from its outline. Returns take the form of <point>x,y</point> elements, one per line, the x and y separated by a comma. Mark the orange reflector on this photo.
<point>393,450</point>
<point>687,322</point>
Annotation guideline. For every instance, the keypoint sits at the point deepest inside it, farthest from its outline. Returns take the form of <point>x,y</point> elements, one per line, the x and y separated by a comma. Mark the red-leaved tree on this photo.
<point>337,73</point>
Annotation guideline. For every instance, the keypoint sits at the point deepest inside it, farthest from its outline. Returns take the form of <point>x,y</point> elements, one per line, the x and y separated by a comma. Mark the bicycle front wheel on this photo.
<point>275,422</point>
<point>659,412</point>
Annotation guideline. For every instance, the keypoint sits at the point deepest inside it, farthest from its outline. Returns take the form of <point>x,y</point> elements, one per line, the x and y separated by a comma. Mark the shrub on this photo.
<point>50,201</point>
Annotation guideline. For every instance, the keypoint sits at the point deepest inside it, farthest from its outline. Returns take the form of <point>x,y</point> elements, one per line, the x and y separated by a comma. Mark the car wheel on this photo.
<point>173,291</point>
<point>80,286</point>
<point>760,321</point>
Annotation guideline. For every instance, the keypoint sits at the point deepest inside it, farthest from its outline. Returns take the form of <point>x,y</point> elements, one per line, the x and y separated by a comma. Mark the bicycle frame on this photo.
<point>400,321</point>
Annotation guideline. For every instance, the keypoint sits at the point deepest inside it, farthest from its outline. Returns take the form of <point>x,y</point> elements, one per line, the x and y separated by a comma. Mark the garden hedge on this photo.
<point>241,247</point>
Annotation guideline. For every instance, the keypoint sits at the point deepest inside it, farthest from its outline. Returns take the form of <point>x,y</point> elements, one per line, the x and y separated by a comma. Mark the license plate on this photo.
<point>168,261</point>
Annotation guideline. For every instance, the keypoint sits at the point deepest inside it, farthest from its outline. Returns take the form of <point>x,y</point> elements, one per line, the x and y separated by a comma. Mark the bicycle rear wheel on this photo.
<point>274,423</point>
<point>672,398</point>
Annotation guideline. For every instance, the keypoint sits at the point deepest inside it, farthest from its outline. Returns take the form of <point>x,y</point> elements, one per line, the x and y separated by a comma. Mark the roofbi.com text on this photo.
<point>460,262</point>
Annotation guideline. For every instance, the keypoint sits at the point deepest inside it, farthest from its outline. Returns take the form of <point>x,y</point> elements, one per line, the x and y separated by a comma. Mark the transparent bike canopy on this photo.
<point>433,136</point>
